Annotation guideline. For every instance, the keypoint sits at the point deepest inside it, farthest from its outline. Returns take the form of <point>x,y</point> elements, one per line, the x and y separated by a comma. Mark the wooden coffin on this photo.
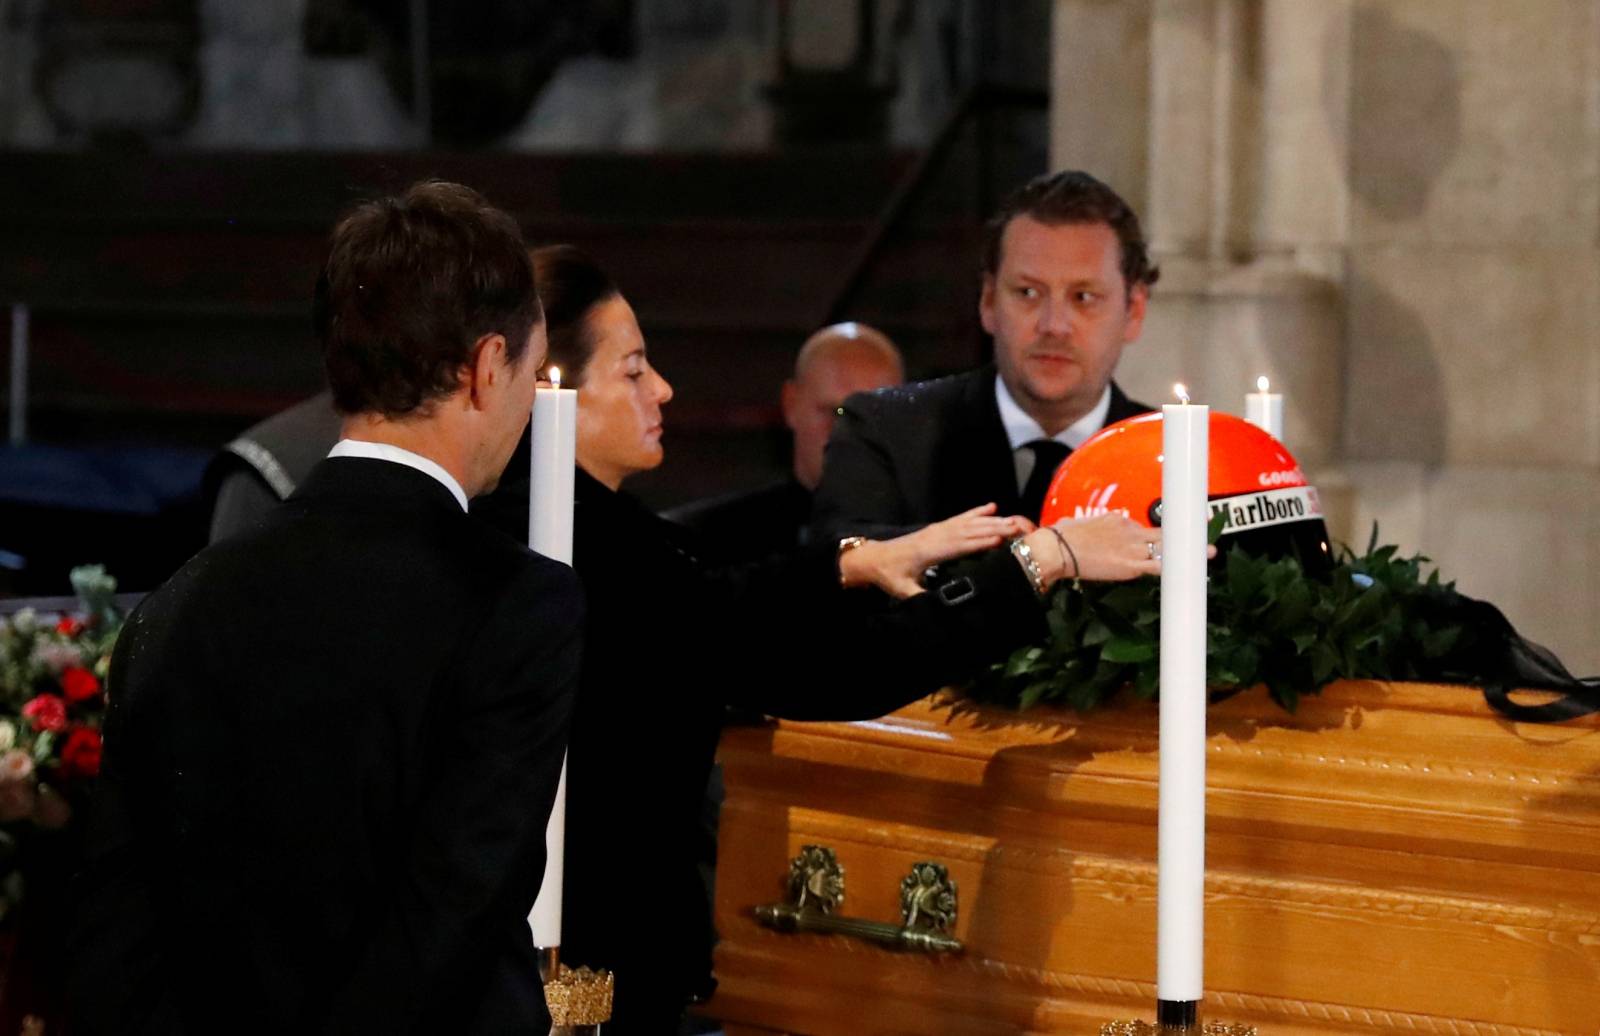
<point>1394,858</point>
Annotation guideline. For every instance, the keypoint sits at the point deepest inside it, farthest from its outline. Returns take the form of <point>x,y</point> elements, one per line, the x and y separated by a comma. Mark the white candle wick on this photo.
<point>1262,383</point>
<point>1181,392</point>
<point>555,377</point>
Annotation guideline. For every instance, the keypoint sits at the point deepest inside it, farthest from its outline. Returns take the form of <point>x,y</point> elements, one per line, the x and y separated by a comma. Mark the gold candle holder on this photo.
<point>1147,1029</point>
<point>579,1001</point>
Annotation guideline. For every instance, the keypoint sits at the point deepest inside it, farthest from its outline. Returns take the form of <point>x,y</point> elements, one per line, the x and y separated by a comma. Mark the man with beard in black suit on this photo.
<point>333,741</point>
<point>1066,281</point>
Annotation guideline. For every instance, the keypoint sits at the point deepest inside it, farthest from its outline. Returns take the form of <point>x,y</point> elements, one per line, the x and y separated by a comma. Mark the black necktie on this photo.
<point>1047,457</point>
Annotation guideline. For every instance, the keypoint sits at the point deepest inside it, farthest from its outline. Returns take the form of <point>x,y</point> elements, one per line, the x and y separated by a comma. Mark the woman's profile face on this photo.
<point>619,399</point>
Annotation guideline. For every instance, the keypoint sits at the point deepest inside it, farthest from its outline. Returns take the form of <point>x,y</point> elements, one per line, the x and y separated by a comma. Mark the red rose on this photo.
<point>80,753</point>
<point>47,712</point>
<point>79,684</point>
<point>69,627</point>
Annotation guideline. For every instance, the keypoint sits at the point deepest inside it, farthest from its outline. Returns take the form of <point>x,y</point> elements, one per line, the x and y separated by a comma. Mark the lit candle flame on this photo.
<point>555,377</point>
<point>1261,383</point>
<point>1181,392</point>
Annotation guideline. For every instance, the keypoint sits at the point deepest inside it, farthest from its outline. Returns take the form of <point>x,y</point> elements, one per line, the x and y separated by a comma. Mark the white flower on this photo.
<point>15,765</point>
<point>25,621</point>
<point>8,734</point>
<point>53,656</point>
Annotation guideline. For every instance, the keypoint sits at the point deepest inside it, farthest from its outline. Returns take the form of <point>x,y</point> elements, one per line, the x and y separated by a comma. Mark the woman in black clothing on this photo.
<point>670,641</point>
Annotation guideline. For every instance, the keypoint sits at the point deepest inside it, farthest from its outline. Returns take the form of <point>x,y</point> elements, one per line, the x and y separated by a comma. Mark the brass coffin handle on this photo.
<point>816,887</point>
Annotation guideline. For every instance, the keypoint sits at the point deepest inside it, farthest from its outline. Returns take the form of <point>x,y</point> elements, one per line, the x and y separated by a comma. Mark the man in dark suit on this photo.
<point>1066,281</point>
<point>833,364</point>
<point>334,740</point>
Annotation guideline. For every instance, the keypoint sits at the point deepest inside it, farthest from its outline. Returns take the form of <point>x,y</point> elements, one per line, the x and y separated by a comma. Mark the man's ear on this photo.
<point>789,398</point>
<point>488,370</point>
<point>1138,301</point>
<point>986,303</point>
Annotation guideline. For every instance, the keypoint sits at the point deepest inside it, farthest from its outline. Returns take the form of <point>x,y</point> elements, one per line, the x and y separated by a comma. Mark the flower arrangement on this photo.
<point>53,672</point>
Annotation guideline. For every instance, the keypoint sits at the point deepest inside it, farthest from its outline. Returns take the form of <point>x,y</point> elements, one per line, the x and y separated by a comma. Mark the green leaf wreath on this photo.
<point>1268,623</point>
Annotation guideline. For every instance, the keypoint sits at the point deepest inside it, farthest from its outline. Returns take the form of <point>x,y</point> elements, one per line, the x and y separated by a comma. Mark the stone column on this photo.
<point>1250,280</point>
<point>1391,209</point>
<point>1100,103</point>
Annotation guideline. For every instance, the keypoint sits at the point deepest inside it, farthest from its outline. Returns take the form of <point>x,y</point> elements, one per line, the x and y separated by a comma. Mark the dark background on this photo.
<point>166,281</point>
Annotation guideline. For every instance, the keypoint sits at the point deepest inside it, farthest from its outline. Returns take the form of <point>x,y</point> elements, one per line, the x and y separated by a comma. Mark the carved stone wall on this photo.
<point>1390,209</point>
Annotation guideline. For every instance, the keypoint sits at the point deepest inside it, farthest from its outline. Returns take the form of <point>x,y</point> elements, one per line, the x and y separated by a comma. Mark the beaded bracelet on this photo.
<point>1066,552</point>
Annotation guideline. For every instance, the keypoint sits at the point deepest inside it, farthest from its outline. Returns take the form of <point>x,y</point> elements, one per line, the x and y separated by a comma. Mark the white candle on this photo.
<point>1265,409</point>
<point>555,447</point>
<point>555,439</point>
<point>1181,827</point>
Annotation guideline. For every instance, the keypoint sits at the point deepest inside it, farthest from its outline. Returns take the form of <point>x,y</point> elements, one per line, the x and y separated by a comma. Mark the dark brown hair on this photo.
<point>410,285</point>
<point>571,284</point>
<point>1072,196</point>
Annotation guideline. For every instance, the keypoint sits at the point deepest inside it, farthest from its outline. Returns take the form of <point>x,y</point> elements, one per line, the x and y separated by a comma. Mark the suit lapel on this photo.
<point>975,465</point>
<point>1123,408</point>
<point>980,466</point>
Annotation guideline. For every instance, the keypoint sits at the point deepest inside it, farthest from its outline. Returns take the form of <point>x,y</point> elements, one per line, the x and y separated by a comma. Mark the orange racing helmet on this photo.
<point>1267,505</point>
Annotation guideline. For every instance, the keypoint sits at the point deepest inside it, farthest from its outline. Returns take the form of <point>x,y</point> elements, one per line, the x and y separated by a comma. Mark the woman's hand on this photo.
<point>1108,548</point>
<point>896,566</point>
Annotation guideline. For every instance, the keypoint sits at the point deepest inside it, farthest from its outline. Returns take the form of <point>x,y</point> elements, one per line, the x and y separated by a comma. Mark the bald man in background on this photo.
<point>834,363</point>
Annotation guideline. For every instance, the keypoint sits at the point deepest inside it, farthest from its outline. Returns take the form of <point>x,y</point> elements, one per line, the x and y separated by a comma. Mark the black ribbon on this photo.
<point>1492,656</point>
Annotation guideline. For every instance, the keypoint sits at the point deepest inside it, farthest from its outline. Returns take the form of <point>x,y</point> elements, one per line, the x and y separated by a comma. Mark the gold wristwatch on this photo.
<point>846,545</point>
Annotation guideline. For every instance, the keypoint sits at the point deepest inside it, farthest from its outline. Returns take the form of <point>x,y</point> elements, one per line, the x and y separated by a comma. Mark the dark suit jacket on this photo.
<point>332,746</point>
<point>905,456</point>
<point>670,642</point>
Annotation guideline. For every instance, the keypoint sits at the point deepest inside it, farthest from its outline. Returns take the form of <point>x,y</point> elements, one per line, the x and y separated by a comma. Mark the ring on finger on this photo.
<point>1150,549</point>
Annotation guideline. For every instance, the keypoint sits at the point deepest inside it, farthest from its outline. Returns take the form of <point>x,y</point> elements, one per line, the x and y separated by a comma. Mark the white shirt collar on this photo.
<point>396,455</point>
<point>1021,429</point>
